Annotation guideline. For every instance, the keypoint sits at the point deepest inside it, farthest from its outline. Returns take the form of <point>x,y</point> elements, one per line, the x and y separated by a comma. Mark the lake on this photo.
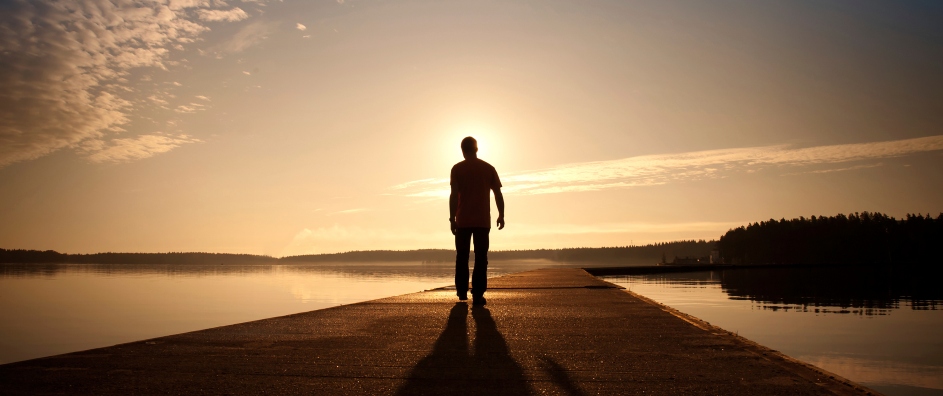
<point>49,309</point>
<point>875,327</point>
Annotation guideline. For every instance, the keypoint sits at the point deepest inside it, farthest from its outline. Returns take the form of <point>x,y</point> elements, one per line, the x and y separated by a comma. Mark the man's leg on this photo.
<point>462,246</point>
<point>480,274</point>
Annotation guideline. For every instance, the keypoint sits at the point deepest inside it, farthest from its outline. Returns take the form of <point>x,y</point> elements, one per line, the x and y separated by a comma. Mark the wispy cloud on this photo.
<point>189,109</point>
<point>65,64</point>
<point>649,170</point>
<point>232,15</point>
<point>140,147</point>
<point>183,4</point>
<point>539,230</point>
<point>349,211</point>
<point>157,100</point>
<point>250,35</point>
<point>832,170</point>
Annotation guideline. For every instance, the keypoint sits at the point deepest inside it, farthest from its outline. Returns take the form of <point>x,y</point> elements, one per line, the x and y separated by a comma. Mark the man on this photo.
<point>472,181</point>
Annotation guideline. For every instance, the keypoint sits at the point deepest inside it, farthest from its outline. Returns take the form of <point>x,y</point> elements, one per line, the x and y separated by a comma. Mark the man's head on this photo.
<point>470,147</point>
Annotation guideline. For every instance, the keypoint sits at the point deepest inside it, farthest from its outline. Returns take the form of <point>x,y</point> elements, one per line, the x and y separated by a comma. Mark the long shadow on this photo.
<point>451,369</point>
<point>560,377</point>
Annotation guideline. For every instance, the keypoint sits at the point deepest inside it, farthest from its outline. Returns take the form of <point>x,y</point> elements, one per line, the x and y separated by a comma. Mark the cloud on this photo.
<point>158,100</point>
<point>201,97</point>
<point>140,147</point>
<point>540,230</point>
<point>250,35</point>
<point>187,109</point>
<point>349,211</point>
<point>649,170</point>
<point>831,170</point>
<point>65,64</point>
<point>232,15</point>
<point>301,27</point>
<point>183,4</point>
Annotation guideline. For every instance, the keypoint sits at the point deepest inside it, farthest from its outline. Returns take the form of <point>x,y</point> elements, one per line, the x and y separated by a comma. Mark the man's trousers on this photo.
<point>463,239</point>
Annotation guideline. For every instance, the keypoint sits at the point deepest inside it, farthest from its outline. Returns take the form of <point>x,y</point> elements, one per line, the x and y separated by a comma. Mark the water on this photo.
<point>874,327</point>
<point>49,309</point>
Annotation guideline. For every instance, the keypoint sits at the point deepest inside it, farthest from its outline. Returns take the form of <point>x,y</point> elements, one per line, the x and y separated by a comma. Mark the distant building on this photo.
<point>715,257</point>
<point>687,260</point>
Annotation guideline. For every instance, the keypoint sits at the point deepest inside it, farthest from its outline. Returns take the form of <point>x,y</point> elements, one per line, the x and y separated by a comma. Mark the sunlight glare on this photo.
<point>489,140</point>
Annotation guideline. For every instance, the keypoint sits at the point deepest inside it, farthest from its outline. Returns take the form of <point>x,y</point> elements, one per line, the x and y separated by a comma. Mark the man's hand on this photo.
<point>499,200</point>
<point>453,226</point>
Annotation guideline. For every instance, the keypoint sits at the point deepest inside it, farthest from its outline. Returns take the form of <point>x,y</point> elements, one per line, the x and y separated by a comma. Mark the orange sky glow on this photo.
<point>295,127</point>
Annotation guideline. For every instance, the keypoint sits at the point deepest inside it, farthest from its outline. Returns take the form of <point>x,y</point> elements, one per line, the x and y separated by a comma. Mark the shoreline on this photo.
<point>542,331</point>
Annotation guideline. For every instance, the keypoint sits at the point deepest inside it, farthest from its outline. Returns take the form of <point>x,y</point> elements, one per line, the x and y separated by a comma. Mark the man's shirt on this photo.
<point>473,180</point>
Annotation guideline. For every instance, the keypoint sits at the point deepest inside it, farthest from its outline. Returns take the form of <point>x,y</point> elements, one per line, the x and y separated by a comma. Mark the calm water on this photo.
<point>879,329</point>
<point>53,309</point>
<point>875,328</point>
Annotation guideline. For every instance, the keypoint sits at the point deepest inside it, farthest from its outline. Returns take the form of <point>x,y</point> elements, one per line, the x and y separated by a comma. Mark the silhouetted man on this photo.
<point>472,181</point>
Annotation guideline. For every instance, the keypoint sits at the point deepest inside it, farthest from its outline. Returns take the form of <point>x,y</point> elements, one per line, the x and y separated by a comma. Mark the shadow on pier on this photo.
<point>452,368</point>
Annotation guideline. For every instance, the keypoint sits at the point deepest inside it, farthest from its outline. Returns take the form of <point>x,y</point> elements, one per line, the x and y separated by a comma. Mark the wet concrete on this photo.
<point>551,331</point>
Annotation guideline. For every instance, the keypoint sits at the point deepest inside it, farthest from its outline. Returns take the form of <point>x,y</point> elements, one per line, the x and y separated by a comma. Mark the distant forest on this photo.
<point>647,255</point>
<point>858,238</point>
<point>624,255</point>
<point>52,256</point>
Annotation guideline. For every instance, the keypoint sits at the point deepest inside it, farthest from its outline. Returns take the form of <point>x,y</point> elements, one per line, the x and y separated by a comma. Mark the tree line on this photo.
<point>627,255</point>
<point>864,238</point>
<point>648,254</point>
<point>52,256</point>
<point>859,238</point>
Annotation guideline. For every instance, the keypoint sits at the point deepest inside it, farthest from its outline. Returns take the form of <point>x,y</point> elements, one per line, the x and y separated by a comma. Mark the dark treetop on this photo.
<point>856,239</point>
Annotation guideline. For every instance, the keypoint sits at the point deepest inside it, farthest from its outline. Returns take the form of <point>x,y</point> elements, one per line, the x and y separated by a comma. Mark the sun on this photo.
<point>489,140</point>
<point>493,136</point>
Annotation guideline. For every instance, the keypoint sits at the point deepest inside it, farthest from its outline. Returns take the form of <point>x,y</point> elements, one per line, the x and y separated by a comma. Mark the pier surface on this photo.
<point>550,331</point>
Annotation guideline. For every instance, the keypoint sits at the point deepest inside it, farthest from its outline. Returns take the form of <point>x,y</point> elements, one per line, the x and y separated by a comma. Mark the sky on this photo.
<point>297,127</point>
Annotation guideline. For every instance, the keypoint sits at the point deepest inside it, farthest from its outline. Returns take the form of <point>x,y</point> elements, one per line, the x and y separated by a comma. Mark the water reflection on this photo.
<point>48,309</point>
<point>873,326</point>
<point>830,290</point>
<point>366,269</point>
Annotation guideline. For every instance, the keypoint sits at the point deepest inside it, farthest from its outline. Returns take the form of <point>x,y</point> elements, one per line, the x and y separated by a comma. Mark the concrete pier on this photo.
<point>551,331</point>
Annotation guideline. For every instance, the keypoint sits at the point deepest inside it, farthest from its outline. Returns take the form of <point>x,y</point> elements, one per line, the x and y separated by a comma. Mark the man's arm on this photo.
<point>499,200</point>
<point>453,207</point>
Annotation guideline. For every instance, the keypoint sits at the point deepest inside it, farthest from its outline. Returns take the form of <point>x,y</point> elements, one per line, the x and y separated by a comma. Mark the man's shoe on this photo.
<point>462,296</point>
<point>479,300</point>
